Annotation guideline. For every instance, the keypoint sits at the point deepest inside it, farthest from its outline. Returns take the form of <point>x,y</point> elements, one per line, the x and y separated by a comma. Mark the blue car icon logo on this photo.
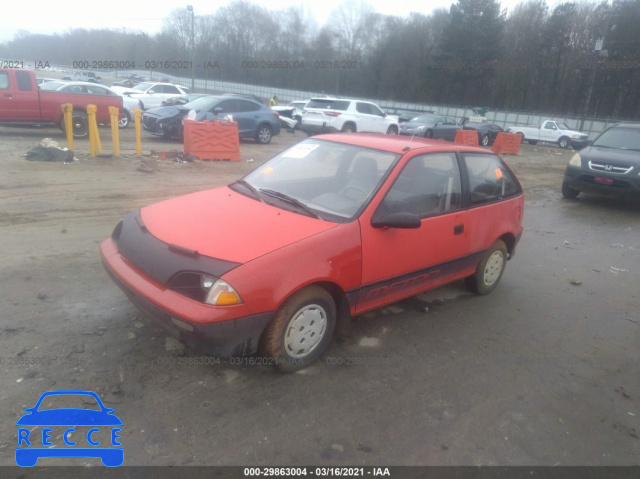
<point>84,432</point>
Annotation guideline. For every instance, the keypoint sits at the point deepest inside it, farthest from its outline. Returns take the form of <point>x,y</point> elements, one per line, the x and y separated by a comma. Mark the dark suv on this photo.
<point>609,165</point>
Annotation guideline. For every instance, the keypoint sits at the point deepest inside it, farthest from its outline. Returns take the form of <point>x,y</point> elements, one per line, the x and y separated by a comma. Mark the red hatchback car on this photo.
<point>333,227</point>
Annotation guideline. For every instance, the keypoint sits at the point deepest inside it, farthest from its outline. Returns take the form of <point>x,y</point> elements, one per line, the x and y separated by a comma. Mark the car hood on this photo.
<point>165,112</point>
<point>610,156</point>
<point>226,225</point>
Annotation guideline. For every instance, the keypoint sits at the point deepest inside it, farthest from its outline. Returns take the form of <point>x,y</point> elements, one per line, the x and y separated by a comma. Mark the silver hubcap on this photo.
<point>493,268</point>
<point>305,331</point>
<point>265,134</point>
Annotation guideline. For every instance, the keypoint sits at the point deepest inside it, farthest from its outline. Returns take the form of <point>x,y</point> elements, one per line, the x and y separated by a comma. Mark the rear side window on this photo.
<point>363,108</point>
<point>4,80</point>
<point>489,179</point>
<point>247,106</point>
<point>327,104</point>
<point>24,81</point>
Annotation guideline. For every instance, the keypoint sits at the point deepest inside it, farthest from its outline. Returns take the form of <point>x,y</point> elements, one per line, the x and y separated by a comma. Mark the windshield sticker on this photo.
<point>498,173</point>
<point>299,151</point>
<point>267,170</point>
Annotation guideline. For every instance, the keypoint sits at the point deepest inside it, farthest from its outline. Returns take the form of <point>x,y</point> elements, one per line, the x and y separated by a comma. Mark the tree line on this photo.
<point>579,58</point>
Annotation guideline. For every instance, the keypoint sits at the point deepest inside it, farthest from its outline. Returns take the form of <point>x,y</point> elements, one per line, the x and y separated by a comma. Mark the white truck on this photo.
<point>552,132</point>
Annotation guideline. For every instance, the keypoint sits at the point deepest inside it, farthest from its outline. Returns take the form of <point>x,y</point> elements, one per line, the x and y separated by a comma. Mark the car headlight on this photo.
<point>220,292</point>
<point>576,160</point>
<point>575,136</point>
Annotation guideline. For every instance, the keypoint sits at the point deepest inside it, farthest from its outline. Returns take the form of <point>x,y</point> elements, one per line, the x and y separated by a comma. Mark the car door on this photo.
<point>379,123</point>
<point>549,131</point>
<point>365,120</point>
<point>248,116</point>
<point>399,262</point>
<point>19,96</point>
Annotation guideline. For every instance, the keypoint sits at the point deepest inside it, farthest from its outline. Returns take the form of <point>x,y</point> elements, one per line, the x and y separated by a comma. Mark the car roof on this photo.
<point>627,124</point>
<point>399,144</point>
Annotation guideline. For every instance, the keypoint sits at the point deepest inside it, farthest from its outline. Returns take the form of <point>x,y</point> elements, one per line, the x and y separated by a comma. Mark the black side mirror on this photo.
<point>402,220</point>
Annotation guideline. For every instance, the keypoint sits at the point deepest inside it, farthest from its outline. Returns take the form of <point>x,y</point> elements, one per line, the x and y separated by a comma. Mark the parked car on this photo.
<point>610,165</point>
<point>551,132</point>
<point>293,111</point>
<point>182,100</point>
<point>90,77</point>
<point>333,227</point>
<point>25,103</point>
<point>81,87</point>
<point>487,132</point>
<point>45,80</point>
<point>254,120</point>
<point>431,126</point>
<point>330,115</point>
<point>153,94</point>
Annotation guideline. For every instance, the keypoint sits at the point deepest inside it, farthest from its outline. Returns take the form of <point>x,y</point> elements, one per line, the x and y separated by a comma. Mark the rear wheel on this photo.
<point>490,269</point>
<point>349,128</point>
<point>80,123</point>
<point>428,134</point>
<point>533,142</point>
<point>125,120</point>
<point>484,141</point>
<point>568,192</point>
<point>300,330</point>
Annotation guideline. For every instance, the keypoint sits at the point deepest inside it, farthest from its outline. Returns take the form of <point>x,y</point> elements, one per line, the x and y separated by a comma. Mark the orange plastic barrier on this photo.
<point>212,140</point>
<point>507,144</point>
<point>467,137</point>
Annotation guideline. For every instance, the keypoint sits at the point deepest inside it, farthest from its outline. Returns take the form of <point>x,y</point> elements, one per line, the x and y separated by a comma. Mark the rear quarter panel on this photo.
<point>51,101</point>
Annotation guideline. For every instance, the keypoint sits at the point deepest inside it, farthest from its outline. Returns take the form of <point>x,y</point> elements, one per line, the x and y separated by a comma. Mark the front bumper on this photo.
<point>578,144</point>
<point>311,129</point>
<point>221,331</point>
<point>590,181</point>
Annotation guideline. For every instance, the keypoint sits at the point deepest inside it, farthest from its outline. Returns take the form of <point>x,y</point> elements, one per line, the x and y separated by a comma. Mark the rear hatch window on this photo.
<point>326,104</point>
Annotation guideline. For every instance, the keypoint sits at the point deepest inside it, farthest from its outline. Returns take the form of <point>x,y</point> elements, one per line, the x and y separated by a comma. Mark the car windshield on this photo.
<point>51,85</point>
<point>563,126</point>
<point>333,180</point>
<point>429,120</point>
<point>620,138</point>
<point>143,86</point>
<point>202,103</point>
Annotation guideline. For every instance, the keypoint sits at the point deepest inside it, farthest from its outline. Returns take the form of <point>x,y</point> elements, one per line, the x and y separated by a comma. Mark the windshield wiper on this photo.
<point>291,200</point>
<point>251,188</point>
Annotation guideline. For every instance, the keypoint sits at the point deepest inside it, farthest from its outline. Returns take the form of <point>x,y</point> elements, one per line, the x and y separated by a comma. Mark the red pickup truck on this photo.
<point>23,103</point>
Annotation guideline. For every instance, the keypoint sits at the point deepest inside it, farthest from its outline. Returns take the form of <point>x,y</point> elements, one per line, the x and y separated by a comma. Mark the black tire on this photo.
<point>532,142</point>
<point>284,338</point>
<point>521,137</point>
<point>80,122</point>
<point>392,130</point>
<point>564,142</point>
<point>125,120</point>
<point>349,128</point>
<point>428,134</point>
<point>484,141</point>
<point>490,269</point>
<point>264,134</point>
<point>568,192</point>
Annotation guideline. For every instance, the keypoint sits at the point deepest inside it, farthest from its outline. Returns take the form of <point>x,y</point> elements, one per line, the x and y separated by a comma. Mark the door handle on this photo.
<point>458,229</point>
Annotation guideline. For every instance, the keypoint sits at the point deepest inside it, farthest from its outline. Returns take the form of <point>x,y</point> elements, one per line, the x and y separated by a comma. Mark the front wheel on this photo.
<point>428,134</point>
<point>300,330</point>
<point>563,142</point>
<point>568,192</point>
<point>484,141</point>
<point>393,130</point>
<point>263,136</point>
<point>490,269</point>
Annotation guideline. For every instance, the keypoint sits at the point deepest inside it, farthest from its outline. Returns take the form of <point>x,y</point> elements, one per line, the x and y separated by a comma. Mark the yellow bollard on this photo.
<point>137,113</point>
<point>67,110</point>
<point>94,136</point>
<point>115,133</point>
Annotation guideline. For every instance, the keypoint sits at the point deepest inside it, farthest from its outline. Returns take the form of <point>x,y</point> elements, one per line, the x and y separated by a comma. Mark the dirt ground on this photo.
<point>544,371</point>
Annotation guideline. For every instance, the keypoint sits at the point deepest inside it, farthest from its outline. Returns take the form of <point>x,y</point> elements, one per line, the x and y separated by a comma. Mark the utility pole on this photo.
<point>193,34</point>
